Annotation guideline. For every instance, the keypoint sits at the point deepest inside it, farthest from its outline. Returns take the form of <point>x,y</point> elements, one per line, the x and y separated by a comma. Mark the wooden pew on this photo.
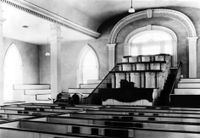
<point>10,130</point>
<point>114,127</point>
<point>170,123</point>
<point>142,115</point>
<point>11,117</point>
<point>101,119</point>
<point>122,108</point>
<point>106,121</point>
<point>117,125</point>
<point>57,109</point>
<point>29,112</point>
<point>146,112</point>
<point>70,130</point>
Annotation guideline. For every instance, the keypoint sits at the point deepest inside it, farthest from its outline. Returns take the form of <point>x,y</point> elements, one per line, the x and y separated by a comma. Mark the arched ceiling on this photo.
<point>92,13</point>
<point>89,14</point>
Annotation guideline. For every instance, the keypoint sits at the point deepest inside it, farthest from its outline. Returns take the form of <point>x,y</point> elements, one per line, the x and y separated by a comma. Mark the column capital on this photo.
<point>2,19</point>
<point>192,38</point>
<point>55,31</point>
<point>111,45</point>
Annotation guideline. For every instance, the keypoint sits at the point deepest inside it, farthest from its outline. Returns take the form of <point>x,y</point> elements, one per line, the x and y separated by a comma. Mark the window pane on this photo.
<point>150,43</point>
<point>90,66</point>
<point>12,72</point>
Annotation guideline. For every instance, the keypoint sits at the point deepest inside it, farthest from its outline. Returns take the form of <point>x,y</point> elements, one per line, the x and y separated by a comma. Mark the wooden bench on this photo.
<point>98,121</point>
<point>56,129</point>
<point>111,128</point>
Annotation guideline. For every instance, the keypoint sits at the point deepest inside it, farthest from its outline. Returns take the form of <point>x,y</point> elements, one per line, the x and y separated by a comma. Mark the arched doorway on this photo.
<point>88,66</point>
<point>12,72</point>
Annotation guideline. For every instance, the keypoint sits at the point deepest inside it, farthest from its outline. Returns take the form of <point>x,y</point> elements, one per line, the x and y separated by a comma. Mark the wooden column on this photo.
<point>111,55</point>
<point>192,46</point>
<point>55,48</point>
<point>1,55</point>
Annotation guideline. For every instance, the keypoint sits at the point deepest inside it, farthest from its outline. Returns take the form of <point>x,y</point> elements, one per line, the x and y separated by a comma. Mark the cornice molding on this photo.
<point>47,15</point>
<point>123,22</point>
<point>180,17</point>
<point>151,13</point>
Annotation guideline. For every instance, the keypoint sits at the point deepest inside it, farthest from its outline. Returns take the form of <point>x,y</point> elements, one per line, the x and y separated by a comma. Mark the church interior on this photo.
<point>99,69</point>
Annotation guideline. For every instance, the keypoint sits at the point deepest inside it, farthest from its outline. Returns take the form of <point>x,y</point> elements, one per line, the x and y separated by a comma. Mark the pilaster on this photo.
<point>1,55</point>
<point>111,55</point>
<point>55,58</point>
<point>192,47</point>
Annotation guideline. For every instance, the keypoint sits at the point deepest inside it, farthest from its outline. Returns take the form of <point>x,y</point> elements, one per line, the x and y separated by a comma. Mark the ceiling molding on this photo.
<point>173,14</point>
<point>47,15</point>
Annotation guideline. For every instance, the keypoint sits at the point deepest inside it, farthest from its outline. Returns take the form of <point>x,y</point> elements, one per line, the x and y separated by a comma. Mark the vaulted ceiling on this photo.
<point>89,14</point>
<point>92,13</point>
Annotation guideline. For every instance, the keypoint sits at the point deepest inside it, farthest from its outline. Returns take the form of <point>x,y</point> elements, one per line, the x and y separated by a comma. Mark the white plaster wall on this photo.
<point>29,55</point>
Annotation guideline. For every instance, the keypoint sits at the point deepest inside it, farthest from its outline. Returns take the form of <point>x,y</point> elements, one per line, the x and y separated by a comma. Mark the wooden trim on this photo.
<point>47,15</point>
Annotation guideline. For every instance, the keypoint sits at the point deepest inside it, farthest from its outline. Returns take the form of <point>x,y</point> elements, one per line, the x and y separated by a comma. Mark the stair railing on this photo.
<point>172,80</point>
<point>105,83</point>
<point>177,77</point>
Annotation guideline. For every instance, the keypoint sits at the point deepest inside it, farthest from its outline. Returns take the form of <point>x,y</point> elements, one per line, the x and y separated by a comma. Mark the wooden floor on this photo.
<point>39,120</point>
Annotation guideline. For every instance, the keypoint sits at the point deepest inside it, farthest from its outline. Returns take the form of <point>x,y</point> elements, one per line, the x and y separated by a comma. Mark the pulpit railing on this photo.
<point>94,97</point>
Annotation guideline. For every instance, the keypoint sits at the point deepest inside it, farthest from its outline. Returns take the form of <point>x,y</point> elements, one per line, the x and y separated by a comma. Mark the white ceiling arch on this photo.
<point>150,13</point>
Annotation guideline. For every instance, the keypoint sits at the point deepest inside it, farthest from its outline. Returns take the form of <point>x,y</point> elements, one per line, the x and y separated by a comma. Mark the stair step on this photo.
<point>43,97</point>
<point>94,81</point>
<point>187,91</point>
<point>34,92</point>
<point>90,85</point>
<point>13,102</point>
<point>30,87</point>
<point>33,99</point>
<point>188,85</point>
<point>190,80</point>
<point>80,90</point>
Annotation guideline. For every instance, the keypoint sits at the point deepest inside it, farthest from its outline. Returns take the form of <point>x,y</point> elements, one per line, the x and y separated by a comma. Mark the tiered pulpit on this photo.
<point>147,73</point>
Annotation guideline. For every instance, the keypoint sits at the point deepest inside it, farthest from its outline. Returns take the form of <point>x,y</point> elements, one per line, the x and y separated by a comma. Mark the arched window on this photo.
<point>151,42</point>
<point>12,72</point>
<point>89,65</point>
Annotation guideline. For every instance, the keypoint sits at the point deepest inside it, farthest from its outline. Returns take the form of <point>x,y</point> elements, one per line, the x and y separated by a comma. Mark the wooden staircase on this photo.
<point>187,93</point>
<point>163,99</point>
